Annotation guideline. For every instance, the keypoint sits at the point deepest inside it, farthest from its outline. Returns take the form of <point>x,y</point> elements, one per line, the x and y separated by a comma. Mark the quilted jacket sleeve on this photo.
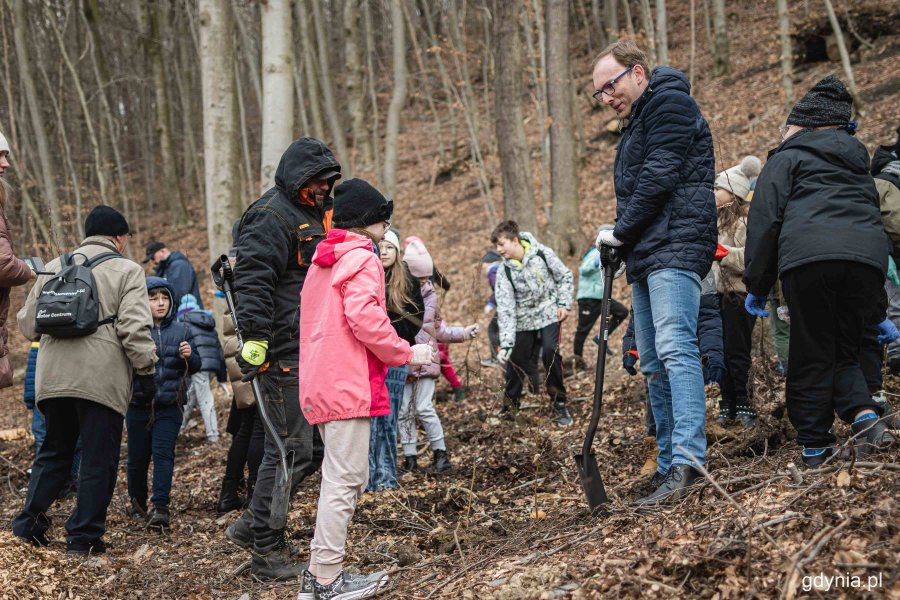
<point>506,308</point>
<point>562,275</point>
<point>709,331</point>
<point>672,121</point>
<point>367,317</point>
<point>764,224</point>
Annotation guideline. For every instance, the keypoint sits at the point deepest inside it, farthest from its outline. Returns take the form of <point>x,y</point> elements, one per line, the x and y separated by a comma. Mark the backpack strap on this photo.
<point>93,262</point>
<point>510,277</point>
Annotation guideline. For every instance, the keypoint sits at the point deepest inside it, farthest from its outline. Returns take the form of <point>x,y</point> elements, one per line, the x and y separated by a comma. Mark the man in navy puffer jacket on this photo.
<point>212,357</point>
<point>666,228</point>
<point>153,423</point>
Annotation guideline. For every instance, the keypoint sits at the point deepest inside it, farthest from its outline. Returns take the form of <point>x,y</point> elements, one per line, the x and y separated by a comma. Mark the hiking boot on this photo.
<point>346,586</point>
<point>578,364</point>
<point>727,413</point>
<point>274,559</point>
<point>815,457</point>
<point>746,415</point>
<point>894,366</point>
<point>136,509</point>
<point>93,547</point>
<point>780,368</point>
<point>410,465</point>
<point>489,362</point>
<point>674,487</point>
<point>510,409</point>
<point>228,497</point>
<point>239,532</point>
<point>651,451</point>
<point>159,517</point>
<point>37,539</point>
<point>872,434</point>
<point>459,393</point>
<point>561,415</point>
<point>440,463</point>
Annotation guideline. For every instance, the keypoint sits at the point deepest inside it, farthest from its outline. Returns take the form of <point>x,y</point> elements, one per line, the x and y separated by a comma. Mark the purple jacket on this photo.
<point>433,331</point>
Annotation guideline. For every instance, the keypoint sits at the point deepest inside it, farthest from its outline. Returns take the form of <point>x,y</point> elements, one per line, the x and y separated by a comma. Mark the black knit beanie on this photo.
<point>827,103</point>
<point>105,220</point>
<point>358,204</point>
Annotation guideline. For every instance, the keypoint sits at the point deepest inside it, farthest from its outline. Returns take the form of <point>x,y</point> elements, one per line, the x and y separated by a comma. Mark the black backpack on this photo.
<point>69,305</point>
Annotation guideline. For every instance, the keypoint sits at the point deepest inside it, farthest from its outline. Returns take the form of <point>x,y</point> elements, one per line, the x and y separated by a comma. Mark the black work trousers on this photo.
<point>522,359</point>
<point>100,429</point>
<point>589,310</point>
<point>737,334</point>
<point>871,359</point>
<point>246,448</point>
<point>831,304</point>
<point>281,394</point>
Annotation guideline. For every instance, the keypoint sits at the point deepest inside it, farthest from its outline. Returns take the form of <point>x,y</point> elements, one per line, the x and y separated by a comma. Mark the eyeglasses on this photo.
<point>610,88</point>
<point>783,130</point>
<point>387,224</point>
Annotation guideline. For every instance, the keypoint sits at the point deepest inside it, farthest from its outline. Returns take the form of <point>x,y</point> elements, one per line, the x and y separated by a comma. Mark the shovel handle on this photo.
<point>610,260</point>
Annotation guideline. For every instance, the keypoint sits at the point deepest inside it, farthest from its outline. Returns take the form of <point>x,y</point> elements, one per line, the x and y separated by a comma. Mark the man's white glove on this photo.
<point>422,354</point>
<point>472,331</point>
<point>620,271</point>
<point>503,355</point>
<point>606,238</point>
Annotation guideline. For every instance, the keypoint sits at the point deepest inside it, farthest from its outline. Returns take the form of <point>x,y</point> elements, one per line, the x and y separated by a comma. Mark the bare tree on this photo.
<point>845,59</point>
<point>277,87</point>
<point>398,99</point>
<point>220,135</point>
<point>48,183</point>
<point>787,52</point>
<point>327,88</point>
<point>354,82</point>
<point>563,180</point>
<point>721,60</point>
<point>518,195</point>
<point>310,71</point>
<point>170,182</point>
<point>649,32</point>
<point>662,33</point>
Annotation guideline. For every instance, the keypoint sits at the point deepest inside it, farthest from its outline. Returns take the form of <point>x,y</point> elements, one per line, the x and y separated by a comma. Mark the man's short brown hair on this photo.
<point>626,53</point>
<point>507,229</point>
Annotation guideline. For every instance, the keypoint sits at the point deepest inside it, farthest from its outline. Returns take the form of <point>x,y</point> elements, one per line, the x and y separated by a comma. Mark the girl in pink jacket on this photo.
<point>346,346</point>
<point>418,395</point>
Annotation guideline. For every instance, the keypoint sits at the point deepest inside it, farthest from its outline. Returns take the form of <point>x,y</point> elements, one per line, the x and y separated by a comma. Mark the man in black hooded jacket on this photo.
<point>815,223</point>
<point>277,238</point>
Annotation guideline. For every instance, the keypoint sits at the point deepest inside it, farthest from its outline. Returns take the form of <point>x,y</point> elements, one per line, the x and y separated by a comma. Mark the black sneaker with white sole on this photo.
<point>561,415</point>
<point>347,586</point>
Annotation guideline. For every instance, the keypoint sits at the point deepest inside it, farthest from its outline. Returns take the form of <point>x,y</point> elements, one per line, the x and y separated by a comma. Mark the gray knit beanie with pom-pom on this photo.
<point>737,179</point>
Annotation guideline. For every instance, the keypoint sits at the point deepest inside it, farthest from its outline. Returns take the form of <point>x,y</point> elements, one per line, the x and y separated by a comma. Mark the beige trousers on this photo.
<point>345,473</point>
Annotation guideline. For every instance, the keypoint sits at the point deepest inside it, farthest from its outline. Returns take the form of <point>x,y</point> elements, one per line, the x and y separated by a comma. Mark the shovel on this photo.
<point>223,276</point>
<point>587,460</point>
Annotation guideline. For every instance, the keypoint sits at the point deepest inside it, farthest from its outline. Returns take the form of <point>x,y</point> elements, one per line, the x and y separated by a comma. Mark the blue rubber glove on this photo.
<point>887,332</point>
<point>756,305</point>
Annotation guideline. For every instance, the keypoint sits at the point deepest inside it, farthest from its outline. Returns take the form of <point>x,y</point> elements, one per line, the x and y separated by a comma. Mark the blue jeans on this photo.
<point>383,439</point>
<point>157,443</point>
<point>666,306</point>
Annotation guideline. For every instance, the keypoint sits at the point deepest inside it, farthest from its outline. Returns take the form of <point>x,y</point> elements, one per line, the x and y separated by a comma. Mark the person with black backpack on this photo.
<point>107,332</point>
<point>153,422</point>
<point>534,295</point>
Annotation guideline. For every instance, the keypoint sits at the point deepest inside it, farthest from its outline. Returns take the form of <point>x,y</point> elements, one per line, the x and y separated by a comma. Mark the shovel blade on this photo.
<point>281,495</point>
<point>592,483</point>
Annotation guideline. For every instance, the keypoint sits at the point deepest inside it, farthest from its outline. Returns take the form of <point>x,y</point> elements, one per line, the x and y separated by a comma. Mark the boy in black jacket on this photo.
<point>153,423</point>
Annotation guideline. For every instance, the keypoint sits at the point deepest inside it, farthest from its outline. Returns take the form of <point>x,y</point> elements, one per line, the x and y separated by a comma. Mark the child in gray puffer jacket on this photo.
<point>534,295</point>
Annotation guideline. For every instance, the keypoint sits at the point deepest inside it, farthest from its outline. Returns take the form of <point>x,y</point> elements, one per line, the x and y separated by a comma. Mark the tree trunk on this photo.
<point>563,176</point>
<point>326,84</point>
<point>48,169</point>
<point>662,33</point>
<point>310,84</point>
<point>539,84</point>
<point>354,82</point>
<point>721,61</point>
<point>251,57</point>
<point>858,108</point>
<point>649,33</point>
<point>611,20</point>
<point>373,96</point>
<point>629,23</point>
<point>693,11</point>
<point>426,86</point>
<point>170,184</point>
<point>787,52</point>
<point>398,99</point>
<point>518,196</point>
<point>277,87</point>
<point>219,122</point>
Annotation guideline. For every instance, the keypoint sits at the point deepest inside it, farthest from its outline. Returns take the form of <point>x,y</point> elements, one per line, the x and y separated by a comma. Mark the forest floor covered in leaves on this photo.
<point>510,521</point>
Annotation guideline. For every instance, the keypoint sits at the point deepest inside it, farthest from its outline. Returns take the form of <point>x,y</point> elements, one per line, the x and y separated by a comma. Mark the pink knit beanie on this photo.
<point>418,260</point>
